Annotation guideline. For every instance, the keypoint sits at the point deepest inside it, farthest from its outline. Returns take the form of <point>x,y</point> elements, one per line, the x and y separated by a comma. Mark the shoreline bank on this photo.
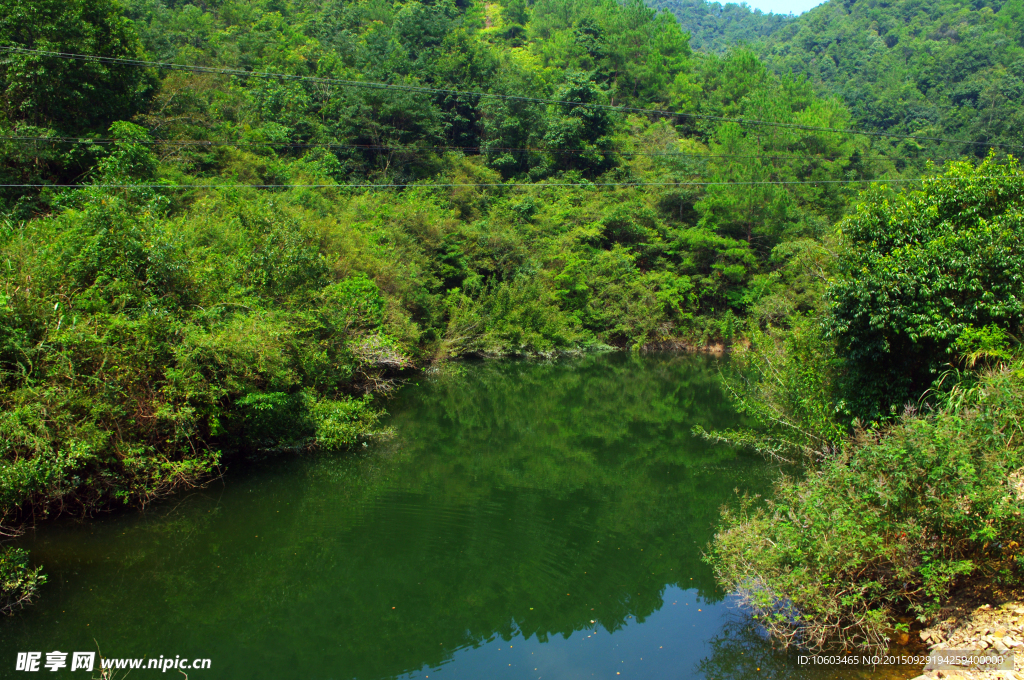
<point>965,625</point>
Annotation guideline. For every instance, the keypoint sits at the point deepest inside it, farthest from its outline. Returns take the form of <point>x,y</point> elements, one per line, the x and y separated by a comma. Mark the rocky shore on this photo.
<point>995,629</point>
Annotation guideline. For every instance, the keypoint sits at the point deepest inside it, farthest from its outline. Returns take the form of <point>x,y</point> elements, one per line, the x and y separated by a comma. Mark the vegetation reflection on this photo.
<point>515,498</point>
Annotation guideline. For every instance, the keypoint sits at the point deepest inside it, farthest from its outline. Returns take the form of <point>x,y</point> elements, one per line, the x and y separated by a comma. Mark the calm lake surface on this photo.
<point>526,520</point>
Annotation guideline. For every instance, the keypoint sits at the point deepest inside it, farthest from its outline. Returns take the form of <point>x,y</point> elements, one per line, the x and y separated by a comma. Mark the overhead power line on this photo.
<point>476,93</point>
<point>541,185</point>
<point>417,149</point>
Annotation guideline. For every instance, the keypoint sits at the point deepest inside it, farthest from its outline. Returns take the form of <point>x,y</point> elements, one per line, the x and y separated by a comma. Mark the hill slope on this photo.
<point>714,27</point>
<point>242,259</point>
<point>950,68</point>
<point>937,69</point>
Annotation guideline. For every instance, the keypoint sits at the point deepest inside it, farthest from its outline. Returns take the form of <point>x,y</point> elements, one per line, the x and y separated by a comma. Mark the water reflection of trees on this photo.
<point>517,498</point>
<point>742,650</point>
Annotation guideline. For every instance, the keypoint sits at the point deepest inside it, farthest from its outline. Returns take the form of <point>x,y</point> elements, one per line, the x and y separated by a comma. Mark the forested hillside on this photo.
<point>718,28</point>
<point>224,215</point>
<point>227,226</point>
<point>902,395</point>
<point>950,69</point>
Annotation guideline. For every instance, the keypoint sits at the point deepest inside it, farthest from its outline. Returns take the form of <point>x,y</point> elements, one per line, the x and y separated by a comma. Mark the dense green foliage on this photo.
<point>921,319</point>
<point>718,28</point>
<point>919,270</point>
<point>787,384</point>
<point>147,333</point>
<point>221,283</point>
<point>950,69</point>
<point>912,285</point>
<point>19,582</point>
<point>939,69</point>
<point>890,525</point>
<point>46,95</point>
<point>44,91</point>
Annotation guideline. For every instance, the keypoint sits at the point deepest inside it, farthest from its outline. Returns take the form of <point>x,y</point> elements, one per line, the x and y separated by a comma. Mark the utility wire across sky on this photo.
<point>539,185</point>
<point>473,93</point>
<point>420,149</point>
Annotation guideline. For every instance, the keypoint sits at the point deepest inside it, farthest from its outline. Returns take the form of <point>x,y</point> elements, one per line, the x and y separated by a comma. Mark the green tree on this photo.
<point>932,69</point>
<point>579,129</point>
<point>70,95</point>
<point>919,269</point>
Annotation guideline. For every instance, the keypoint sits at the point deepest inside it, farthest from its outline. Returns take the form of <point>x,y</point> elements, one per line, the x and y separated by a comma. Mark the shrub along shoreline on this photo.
<point>888,526</point>
<point>904,400</point>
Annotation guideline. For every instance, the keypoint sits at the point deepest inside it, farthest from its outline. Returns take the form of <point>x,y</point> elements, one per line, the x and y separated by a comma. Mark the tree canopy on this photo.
<point>950,69</point>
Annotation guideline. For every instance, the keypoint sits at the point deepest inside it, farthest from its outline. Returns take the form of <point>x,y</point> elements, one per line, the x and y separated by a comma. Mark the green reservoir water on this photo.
<point>526,520</point>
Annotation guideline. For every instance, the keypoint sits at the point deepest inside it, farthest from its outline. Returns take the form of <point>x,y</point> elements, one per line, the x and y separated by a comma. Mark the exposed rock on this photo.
<point>998,629</point>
